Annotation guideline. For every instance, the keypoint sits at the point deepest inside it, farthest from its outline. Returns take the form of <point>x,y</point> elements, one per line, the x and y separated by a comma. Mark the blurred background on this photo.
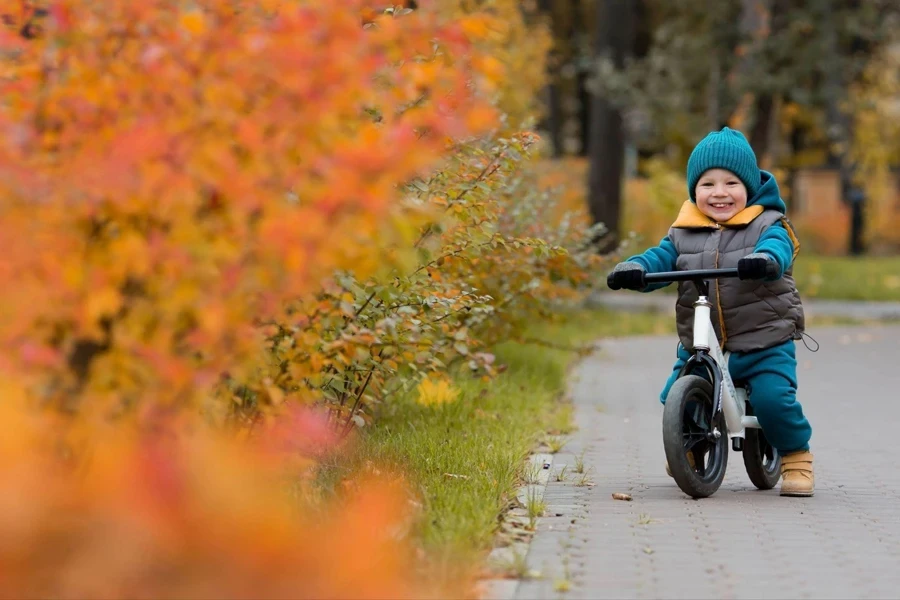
<point>634,84</point>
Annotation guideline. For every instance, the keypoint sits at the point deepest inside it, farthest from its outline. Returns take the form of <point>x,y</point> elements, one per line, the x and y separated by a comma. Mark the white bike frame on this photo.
<point>732,401</point>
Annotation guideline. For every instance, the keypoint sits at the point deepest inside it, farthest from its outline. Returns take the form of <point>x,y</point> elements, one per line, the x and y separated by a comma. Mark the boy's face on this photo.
<point>720,195</point>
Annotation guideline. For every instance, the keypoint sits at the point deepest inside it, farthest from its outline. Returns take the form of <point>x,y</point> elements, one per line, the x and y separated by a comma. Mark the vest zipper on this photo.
<point>719,305</point>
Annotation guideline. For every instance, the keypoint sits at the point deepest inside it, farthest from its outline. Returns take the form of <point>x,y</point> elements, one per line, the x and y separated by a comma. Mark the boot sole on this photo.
<point>797,494</point>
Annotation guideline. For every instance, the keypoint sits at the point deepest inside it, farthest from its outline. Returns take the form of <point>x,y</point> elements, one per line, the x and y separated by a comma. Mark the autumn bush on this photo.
<point>160,225</point>
<point>491,264</point>
<point>516,43</point>
<point>170,515</point>
<point>215,212</point>
<point>494,252</point>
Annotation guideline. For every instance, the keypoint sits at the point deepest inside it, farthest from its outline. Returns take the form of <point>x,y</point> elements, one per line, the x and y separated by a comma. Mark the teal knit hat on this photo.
<point>727,149</point>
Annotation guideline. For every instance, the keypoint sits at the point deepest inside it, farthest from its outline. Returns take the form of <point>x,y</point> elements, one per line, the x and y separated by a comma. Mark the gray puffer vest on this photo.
<point>747,315</point>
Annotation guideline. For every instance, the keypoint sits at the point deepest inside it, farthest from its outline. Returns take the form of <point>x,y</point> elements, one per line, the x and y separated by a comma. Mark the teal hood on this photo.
<point>768,195</point>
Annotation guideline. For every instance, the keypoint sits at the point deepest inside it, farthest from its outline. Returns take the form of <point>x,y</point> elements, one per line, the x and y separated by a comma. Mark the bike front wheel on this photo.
<point>696,443</point>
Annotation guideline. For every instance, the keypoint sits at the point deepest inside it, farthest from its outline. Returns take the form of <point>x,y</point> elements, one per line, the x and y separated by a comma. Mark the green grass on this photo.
<point>484,436</point>
<point>846,278</point>
<point>586,325</point>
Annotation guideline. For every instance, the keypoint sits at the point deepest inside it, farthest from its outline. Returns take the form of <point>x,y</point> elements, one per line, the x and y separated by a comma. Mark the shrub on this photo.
<point>163,514</point>
<point>495,259</point>
<point>173,177</point>
<point>179,184</point>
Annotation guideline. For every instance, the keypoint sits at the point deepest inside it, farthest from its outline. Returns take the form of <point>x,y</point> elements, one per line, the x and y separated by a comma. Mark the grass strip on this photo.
<point>849,278</point>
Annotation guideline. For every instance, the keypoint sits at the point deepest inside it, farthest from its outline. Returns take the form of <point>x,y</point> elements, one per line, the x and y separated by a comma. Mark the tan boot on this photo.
<point>797,477</point>
<point>690,458</point>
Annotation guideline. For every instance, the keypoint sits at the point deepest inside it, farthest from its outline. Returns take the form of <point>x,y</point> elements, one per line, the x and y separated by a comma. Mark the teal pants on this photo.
<point>772,375</point>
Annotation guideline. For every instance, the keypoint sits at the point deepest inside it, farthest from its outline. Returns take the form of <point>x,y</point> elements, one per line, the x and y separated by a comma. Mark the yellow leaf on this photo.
<point>434,391</point>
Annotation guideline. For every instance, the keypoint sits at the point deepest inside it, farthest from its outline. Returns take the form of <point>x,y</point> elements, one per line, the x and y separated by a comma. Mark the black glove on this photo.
<point>627,276</point>
<point>758,265</point>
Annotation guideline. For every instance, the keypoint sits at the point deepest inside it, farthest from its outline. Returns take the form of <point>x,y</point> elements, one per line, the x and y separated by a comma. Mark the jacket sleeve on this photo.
<point>657,260</point>
<point>779,242</point>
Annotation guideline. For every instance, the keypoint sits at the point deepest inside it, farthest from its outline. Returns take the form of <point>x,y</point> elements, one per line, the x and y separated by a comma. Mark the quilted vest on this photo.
<point>747,315</point>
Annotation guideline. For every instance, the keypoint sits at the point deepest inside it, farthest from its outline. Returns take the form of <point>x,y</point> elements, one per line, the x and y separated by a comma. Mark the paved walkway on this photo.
<point>739,543</point>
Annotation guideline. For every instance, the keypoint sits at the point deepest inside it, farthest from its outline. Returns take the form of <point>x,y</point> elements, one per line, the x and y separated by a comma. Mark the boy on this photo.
<point>735,218</point>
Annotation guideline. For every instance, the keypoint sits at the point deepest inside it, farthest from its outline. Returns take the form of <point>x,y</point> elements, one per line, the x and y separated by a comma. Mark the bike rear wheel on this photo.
<point>762,461</point>
<point>697,458</point>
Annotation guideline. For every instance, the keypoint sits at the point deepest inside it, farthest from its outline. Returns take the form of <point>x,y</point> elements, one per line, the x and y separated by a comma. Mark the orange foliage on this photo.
<point>162,514</point>
<point>227,206</point>
<point>175,182</point>
<point>173,176</point>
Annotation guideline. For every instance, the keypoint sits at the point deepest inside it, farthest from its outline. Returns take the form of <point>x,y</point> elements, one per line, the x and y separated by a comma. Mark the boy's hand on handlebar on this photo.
<point>758,265</point>
<point>627,276</point>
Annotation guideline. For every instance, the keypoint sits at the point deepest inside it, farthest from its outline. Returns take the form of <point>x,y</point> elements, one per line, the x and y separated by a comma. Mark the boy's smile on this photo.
<point>720,195</point>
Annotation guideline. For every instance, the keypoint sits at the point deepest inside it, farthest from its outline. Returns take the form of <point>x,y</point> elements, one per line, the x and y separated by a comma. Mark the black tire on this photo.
<point>687,419</point>
<point>761,460</point>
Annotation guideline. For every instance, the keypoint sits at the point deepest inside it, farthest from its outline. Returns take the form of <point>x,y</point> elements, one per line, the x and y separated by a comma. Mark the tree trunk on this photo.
<point>762,120</point>
<point>840,128</point>
<point>755,27</point>
<point>552,118</point>
<point>584,112</point>
<point>607,133</point>
<point>714,109</point>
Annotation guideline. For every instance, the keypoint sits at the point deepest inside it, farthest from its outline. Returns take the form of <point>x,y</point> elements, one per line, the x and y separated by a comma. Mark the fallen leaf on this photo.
<point>621,496</point>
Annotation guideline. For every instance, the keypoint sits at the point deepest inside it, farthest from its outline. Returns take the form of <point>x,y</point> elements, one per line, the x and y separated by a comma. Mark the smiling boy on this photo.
<point>735,218</point>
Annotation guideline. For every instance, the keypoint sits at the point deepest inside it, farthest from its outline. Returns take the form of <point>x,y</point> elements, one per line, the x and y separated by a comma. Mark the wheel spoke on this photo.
<point>705,453</point>
<point>692,440</point>
<point>695,426</point>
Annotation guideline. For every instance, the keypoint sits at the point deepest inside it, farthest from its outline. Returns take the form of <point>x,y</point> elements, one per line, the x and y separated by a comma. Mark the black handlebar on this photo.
<point>697,275</point>
<point>700,276</point>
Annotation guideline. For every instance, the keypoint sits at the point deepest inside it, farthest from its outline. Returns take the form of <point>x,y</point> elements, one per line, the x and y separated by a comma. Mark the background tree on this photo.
<point>606,144</point>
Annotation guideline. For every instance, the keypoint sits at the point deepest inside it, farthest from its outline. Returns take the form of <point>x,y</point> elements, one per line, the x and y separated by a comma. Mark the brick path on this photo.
<point>740,543</point>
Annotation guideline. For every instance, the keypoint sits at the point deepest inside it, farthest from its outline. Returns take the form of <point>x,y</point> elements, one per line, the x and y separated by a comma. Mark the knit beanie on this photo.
<point>727,149</point>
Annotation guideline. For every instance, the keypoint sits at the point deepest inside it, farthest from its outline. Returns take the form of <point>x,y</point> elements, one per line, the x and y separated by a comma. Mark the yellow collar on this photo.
<point>690,217</point>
